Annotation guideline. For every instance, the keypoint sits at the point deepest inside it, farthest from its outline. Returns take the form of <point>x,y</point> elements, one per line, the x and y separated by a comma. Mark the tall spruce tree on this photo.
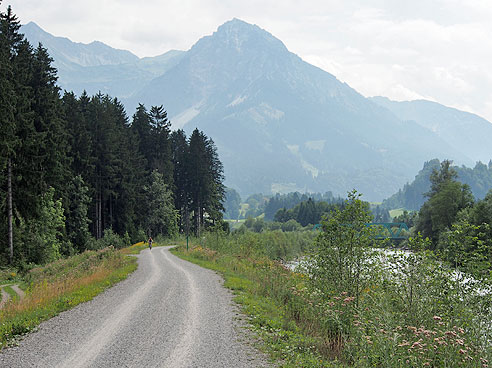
<point>75,114</point>
<point>9,38</point>
<point>180,154</point>
<point>70,163</point>
<point>36,152</point>
<point>205,183</point>
<point>160,143</point>
<point>130,207</point>
<point>52,137</point>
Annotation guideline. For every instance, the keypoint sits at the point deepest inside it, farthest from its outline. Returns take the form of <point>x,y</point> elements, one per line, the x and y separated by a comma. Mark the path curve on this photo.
<point>18,290</point>
<point>168,313</point>
<point>4,297</point>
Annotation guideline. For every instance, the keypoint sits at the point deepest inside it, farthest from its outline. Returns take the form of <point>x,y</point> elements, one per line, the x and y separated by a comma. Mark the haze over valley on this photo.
<point>324,162</point>
<point>280,124</point>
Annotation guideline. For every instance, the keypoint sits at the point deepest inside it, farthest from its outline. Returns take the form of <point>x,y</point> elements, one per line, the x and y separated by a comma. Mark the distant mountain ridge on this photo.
<point>469,132</point>
<point>97,67</point>
<point>67,54</point>
<point>280,124</point>
<point>412,195</point>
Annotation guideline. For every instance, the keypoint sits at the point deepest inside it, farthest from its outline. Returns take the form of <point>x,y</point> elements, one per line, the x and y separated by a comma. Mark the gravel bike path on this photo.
<point>168,313</point>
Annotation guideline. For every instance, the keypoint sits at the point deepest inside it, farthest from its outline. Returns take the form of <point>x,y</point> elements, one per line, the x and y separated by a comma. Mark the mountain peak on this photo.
<point>236,24</point>
<point>32,27</point>
<point>241,36</point>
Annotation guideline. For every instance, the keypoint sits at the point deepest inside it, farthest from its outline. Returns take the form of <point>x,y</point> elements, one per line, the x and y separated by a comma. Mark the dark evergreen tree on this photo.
<point>141,127</point>
<point>77,221</point>
<point>9,40</point>
<point>273,205</point>
<point>52,138</point>
<point>130,207</point>
<point>308,212</point>
<point>37,155</point>
<point>381,214</point>
<point>205,183</point>
<point>180,154</point>
<point>70,163</point>
<point>160,144</point>
<point>75,114</point>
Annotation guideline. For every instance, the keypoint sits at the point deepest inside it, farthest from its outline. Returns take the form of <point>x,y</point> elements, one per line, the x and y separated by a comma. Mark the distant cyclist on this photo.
<point>150,242</point>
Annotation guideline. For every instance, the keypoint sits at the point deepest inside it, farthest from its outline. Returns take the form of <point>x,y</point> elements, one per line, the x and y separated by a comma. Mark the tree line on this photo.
<point>269,204</point>
<point>412,195</point>
<point>74,170</point>
<point>308,212</point>
<point>456,225</point>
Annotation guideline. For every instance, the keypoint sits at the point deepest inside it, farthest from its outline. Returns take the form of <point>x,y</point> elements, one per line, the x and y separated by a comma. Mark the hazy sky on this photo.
<point>434,49</point>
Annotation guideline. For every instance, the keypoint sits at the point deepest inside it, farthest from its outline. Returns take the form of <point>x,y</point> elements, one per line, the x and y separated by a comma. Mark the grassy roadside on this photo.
<point>263,288</point>
<point>63,284</point>
<point>412,311</point>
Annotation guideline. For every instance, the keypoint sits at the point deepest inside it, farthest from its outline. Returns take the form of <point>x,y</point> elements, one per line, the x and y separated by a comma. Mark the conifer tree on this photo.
<point>160,143</point>
<point>22,158</point>
<point>141,127</point>
<point>205,183</point>
<point>8,139</point>
<point>180,153</point>
<point>75,115</point>
<point>51,135</point>
<point>70,163</point>
<point>77,221</point>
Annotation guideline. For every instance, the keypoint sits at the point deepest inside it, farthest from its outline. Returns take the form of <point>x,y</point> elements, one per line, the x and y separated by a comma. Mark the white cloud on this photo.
<point>436,49</point>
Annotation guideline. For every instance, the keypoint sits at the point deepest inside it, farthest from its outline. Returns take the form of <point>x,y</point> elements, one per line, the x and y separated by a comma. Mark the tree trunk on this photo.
<point>198,215</point>
<point>99,215</point>
<point>95,217</point>
<point>98,220</point>
<point>111,211</point>
<point>9,206</point>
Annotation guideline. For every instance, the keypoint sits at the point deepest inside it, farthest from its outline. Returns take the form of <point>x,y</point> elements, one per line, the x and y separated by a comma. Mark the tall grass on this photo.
<point>61,285</point>
<point>275,245</point>
<point>416,314</point>
<point>253,266</point>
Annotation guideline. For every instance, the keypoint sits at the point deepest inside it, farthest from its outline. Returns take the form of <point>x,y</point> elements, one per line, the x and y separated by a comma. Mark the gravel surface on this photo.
<point>4,297</point>
<point>168,313</point>
<point>18,290</point>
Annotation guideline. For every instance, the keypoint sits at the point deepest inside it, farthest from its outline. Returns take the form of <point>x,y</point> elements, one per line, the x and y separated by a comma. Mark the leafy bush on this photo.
<point>392,308</point>
<point>40,239</point>
<point>110,239</point>
<point>291,225</point>
<point>272,244</point>
<point>352,304</point>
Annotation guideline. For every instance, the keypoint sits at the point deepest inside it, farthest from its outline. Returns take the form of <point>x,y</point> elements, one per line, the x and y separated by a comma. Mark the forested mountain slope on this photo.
<point>280,124</point>
<point>411,196</point>
<point>283,124</point>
